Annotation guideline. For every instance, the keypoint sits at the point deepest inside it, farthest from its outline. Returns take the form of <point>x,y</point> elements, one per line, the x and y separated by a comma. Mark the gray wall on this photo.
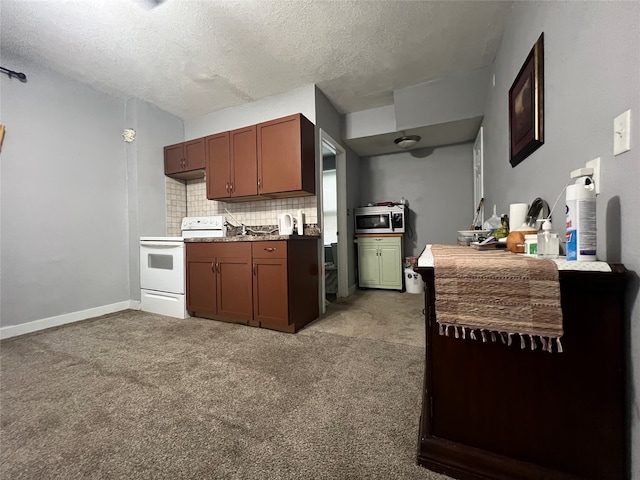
<point>327,117</point>
<point>592,74</point>
<point>440,101</point>
<point>331,121</point>
<point>354,171</point>
<point>438,184</point>
<point>301,100</point>
<point>64,197</point>
<point>68,217</point>
<point>155,128</point>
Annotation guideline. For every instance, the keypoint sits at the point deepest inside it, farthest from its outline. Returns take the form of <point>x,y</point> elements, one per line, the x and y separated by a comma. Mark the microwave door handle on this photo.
<point>393,229</point>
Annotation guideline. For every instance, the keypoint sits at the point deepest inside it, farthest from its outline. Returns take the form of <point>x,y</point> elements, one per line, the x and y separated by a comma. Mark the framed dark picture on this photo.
<point>526,106</point>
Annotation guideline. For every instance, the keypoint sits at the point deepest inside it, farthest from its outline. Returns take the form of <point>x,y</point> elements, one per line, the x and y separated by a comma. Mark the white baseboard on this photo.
<point>15,330</point>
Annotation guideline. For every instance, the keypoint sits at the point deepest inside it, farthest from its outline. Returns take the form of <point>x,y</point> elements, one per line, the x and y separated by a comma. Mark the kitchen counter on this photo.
<point>253,238</point>
<point>233,235</point>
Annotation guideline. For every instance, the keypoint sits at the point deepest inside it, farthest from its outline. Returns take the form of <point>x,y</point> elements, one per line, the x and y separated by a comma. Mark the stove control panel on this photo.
<point>215,222</point>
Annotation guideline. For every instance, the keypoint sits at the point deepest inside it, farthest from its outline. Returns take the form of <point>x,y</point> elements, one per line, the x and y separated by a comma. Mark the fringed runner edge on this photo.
<point>459,331</point>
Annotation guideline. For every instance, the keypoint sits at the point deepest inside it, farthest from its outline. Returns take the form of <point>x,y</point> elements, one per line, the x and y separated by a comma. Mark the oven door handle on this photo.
<point>159,243</point>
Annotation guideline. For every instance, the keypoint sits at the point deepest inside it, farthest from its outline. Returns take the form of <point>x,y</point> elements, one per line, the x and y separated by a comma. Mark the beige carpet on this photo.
<point>141,396</point>
<point>384,315</point>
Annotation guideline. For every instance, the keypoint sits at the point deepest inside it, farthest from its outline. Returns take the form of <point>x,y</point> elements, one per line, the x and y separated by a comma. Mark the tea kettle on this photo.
<point>285,224</point>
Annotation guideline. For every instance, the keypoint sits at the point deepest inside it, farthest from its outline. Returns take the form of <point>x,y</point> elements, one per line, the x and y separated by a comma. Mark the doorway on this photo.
<point>333,220</point>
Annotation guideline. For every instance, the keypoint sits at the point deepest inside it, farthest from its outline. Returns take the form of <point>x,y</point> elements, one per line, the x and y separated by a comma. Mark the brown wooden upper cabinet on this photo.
<point>232,164</point>
<point>286,157</point>
<point>185,160</point>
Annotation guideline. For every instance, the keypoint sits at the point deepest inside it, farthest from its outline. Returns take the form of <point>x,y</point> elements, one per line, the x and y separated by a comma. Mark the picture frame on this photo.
<point>526,106</point>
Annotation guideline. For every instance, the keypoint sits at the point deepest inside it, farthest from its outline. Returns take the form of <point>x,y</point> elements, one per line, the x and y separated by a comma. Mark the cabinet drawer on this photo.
<point>218,249</point>
<point>379,241</point>
<point>271,249</point>
<point>199,250</point>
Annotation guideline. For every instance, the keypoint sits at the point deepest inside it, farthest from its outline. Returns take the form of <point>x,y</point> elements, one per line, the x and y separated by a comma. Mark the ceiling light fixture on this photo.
<point>407,141</point>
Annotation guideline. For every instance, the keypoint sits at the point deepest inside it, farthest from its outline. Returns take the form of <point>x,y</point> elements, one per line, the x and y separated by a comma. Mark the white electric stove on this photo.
<point>162,266</point>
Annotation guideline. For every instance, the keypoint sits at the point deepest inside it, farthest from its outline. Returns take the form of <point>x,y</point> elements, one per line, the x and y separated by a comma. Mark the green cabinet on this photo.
<point>380,262</point>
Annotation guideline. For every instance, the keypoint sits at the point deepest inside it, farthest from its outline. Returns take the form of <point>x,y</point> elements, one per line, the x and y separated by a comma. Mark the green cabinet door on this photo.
<point>369,265</point>
<point>390,266</point>
<point>380,262</point>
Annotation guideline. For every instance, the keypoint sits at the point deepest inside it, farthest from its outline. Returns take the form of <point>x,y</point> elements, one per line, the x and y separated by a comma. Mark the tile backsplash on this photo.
<point>176,205</point>
<point>253,213</point>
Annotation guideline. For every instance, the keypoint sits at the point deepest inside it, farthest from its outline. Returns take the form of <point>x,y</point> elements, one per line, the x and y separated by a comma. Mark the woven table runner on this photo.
<point>492,295</point>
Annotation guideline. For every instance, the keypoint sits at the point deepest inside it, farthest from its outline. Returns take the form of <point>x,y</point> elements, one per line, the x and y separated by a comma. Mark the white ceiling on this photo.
<point>193,57</point>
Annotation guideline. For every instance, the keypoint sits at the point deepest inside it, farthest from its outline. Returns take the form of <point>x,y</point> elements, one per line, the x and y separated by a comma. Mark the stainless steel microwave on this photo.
<point>380,219</point>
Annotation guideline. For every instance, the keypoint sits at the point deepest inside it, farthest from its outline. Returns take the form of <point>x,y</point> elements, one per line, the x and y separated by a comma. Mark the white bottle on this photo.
<point>581,217</point>
<point>548,242</point>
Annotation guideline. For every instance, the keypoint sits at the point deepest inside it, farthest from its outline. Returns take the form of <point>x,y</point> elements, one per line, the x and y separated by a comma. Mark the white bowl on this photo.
<point>471,233</point>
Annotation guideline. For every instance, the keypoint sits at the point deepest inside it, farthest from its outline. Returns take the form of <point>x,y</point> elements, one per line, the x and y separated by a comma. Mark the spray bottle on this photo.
<point>581,217</point>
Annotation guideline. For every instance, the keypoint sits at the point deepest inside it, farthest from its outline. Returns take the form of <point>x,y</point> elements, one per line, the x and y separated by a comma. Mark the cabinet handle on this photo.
<point>231,187</point>
<point>259,184</point>
<point>270,249</point>
<point>217,267</point>
<point>228,187</point>
<point>254,270</point>
<point>213,267</point>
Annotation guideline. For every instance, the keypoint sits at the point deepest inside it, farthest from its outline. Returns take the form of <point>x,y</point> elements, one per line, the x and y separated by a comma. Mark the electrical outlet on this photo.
<point>621,133</point>
<point>595,164</point>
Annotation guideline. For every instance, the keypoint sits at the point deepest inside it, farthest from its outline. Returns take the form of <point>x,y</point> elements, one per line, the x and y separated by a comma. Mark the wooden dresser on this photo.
<point>492,411</point>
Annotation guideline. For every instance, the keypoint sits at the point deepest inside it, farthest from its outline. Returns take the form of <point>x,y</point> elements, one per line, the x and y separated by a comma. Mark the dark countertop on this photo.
<point>253,238</point>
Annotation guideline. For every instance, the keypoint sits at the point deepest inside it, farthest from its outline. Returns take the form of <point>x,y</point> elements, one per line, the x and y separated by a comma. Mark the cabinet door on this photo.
<point>390,266</point>
<point>244,162</point>
<point>286,156</point>
<point>234,288</point>
<point>194,154</point>
<point>173,159</point>
<point>218,165</point>
<point>201,285</point>
<point>368,264</point>
<point>270,292</point>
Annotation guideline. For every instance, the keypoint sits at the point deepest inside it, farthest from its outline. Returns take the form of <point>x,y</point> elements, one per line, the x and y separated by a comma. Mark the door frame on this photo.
<point>341,193</point>
<point>478,173</point>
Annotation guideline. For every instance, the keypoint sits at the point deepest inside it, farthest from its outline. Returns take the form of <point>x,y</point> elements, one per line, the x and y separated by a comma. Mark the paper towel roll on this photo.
<point>300,222</point>
<point>517,215</point>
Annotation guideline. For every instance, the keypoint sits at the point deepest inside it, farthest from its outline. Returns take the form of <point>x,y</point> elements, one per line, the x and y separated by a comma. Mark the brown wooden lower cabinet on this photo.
<point>492,411</point>
<point>234,288</point>
<point>269,284</point>
<point>219,280</point>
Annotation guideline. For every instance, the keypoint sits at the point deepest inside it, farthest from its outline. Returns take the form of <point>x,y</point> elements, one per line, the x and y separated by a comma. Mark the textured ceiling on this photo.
<point>193,57</point>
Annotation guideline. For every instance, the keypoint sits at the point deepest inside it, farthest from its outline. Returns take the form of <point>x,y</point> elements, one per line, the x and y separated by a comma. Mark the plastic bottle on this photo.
<point>493,223</point>
<point>581,217</point>
<point>548,242</point>
<point>530,245</point>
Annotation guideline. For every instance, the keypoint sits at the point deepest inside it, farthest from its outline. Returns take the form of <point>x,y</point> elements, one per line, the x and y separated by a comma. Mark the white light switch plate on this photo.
<point>621,133</point>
